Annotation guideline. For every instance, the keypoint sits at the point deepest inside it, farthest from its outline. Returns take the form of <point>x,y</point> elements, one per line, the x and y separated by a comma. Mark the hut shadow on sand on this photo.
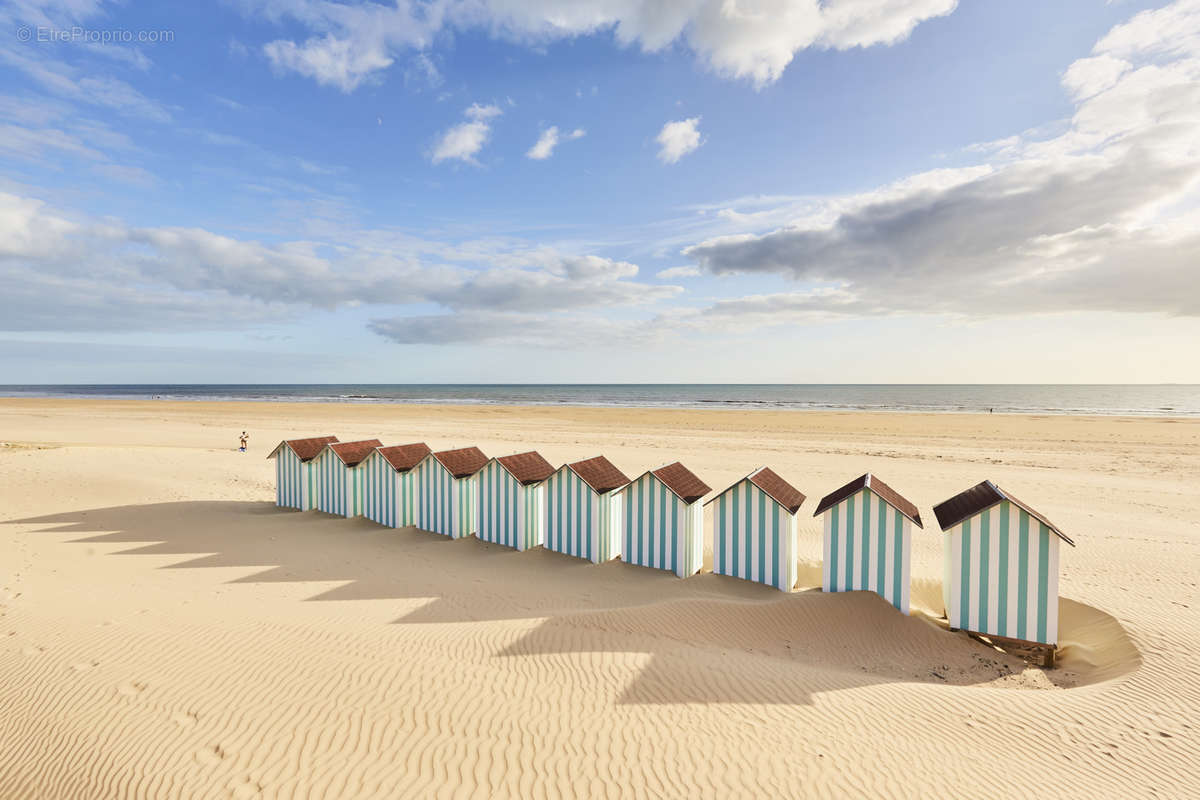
<point>707,639</point>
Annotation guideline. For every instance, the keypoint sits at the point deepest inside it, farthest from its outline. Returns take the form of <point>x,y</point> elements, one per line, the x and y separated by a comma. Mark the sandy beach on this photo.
<point>166,631</point>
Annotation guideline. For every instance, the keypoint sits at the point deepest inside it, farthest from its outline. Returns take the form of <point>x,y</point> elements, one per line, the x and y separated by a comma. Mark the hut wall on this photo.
<point>867,548</point>
<point>581,522</point>
<point>754,537</point>
<point>382,491</point>
<point>1000,575</point>
<point>293,479</point>
<point>338,487</point>
<point>445,505</point>
<point>509,514</point>
<point>662,531</point>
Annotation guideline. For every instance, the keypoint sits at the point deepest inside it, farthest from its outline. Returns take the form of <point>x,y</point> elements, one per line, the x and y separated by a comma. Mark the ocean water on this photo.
<point>1108,399</point>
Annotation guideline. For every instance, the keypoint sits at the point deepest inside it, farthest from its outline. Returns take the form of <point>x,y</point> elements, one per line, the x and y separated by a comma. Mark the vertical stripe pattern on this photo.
<point>444,504</point>
<point>660,530</point>
<point>338,487</point>
<point>509,514</point>
<point>867,547</point>
<point>293,487</point>
<point>382,491</point>
<point>1001,575</point>
<point>768,532</point>
<point>579,521</point>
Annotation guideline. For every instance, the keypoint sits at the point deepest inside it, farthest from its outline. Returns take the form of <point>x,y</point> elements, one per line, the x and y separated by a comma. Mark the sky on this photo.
<point>479,191</point>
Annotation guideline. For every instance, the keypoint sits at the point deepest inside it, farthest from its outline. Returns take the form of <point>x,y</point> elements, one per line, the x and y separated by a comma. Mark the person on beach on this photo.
<point>243,439</point>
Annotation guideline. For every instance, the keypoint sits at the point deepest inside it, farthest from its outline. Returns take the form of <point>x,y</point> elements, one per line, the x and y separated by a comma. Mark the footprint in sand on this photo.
<point>131,688</point>
<point>83,666</point>
<point>247,789</point>
<point>184,719</point>
<point>213,754</point>
<point>33,651</point>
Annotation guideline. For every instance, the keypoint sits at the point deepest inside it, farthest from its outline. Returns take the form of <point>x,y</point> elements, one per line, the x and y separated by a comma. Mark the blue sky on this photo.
<point>868,191</point>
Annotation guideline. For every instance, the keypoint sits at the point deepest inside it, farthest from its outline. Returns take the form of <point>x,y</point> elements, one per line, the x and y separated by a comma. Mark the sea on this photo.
<point>1154,400</point>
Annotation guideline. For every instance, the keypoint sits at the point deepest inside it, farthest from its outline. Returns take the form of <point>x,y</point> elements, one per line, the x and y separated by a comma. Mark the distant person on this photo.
<point>243,440</point>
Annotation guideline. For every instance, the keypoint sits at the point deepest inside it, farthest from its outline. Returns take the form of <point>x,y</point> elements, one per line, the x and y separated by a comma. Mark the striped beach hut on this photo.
<point>293,471</point>
<point>868,540</point>
<point>1000,567</point>
<point>389,493</point>
<point>448,491</point>
<point>664,521</point>
<point>512,500</point>
<point>755,529</point>
<point>337,478</point>
<point>583,509</point>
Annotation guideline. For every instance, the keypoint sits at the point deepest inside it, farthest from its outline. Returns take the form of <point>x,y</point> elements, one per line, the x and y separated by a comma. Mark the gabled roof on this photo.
<point>869,481</point>
<point>305,449</point>
<point>404,457</point>
<point>774,486</point>
<point>528,468</point>
<point>462,463</point>
<point>979,498</point>
<point>599,473</point>
<point>682,482</point>
<point>352,453</point>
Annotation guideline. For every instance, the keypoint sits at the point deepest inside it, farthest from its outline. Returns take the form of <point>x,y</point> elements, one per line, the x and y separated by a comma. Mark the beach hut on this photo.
<point>583,509</point>
<point>664,521</point>
<point>755,529</point>
<point>868,540</point>
<point>512,500</point>
<point>337,478</point>
<point>1000,568</point>
<point>448,491</point>
<point>293,471</point>
<point>389,493</point>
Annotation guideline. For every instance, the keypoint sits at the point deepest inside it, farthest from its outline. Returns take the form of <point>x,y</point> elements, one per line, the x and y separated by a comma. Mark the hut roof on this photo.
<point>681,481</point>
<point>869,481</point>
<point>352,453</point>
<point>404,457</point>
<point>979,498</point>
<point>600,474</point>
<point>305,449</point>
<point>527,468</point>
<point>462,463</point>
<point>774,486</point>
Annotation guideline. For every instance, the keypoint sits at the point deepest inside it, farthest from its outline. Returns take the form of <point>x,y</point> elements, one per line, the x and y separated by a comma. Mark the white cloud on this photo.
<point>677,139</point>
<point>543,148</point>
<point>674,273</point>
<point>463,141</point>
<point>1101,217</point>
<point>753,40</point>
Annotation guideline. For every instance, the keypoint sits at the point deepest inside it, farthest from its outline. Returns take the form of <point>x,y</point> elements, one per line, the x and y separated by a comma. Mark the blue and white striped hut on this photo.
<point>339,482</point>
<point>1000,566</point>
<point>868,540</point>
<point>448,491</point>
<point>294,486</point>
<point>664,521</point>
<point>389,492</point>
<point>583,509</point>
<point>755,529</point>
<point>512,500</point>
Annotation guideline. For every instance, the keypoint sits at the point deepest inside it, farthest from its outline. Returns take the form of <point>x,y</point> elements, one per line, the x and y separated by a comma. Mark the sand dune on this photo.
<point>166,631</point>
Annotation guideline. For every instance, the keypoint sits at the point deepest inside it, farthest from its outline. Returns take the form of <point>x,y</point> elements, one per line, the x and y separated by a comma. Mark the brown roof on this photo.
<point>600,474</point>
<point>352,453</point>
<point>776,488</point>
<point>682,481</point>
<point>305,449</point>
<point>527,468</point>
<point>869,481</point>
<point>462,463</point>
<point>404,457</point>
<point>979,498</point>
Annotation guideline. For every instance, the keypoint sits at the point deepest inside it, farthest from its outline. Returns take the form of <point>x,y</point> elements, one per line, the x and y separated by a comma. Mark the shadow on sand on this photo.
<point>710,638</point>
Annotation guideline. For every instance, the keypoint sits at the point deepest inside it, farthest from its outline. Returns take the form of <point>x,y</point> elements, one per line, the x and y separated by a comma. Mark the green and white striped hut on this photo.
<point>755,529</point>
<point>389,492</point>
<point>1000,566</point>
<point>512,500</point>
<point>294,487</point>
<point>339,482</point>
<point>664,521</point>
<point>583,510</point>
<point>868,540</point>
<point>448,491</point>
